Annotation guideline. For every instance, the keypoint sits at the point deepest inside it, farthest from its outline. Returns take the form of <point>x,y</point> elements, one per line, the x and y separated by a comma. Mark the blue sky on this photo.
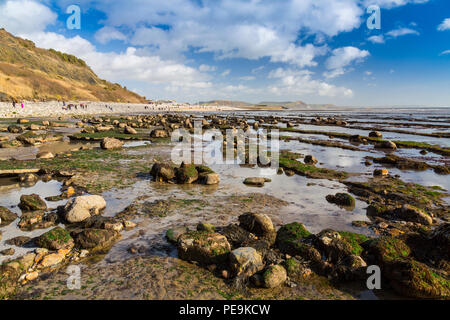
<point>317,51</point>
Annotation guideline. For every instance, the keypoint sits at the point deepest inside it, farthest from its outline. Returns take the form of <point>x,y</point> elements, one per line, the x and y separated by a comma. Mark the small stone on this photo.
<point>380,172</point>
<point>310,160</point>
<point>45,155</point>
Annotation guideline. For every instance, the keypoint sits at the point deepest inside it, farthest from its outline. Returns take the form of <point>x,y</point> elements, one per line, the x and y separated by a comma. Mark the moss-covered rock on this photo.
<point>289,238</point>
<point>274,276</point>
<point>186,174</point>
<point>355,240</point>
<point>260,225</point>
<point>32,202</point>
<point>55,239</point>
<point>341,199</point>
<point>95,239</point>
<point>203,247</point>
<point>388,249</point>
<point>6,216</point>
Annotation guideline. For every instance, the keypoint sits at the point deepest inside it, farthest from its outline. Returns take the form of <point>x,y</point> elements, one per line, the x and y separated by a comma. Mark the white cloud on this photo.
<point>25,16</point>
<point>445,25</point>
<point>300,82</point>
<point>106,34</point>
<point>444,52</point>
<point>402,32</point>
<point>342,58</point>
<point>225,73</point>
<point>376,39</point>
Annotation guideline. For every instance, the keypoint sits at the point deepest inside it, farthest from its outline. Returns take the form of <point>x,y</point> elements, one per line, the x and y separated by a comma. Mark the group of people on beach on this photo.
<point>14,104</point>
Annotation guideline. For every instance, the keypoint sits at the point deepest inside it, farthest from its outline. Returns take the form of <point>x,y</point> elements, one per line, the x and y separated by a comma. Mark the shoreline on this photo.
<point>56,109</point>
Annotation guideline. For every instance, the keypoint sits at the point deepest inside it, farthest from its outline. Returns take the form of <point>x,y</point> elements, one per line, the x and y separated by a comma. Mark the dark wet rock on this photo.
<point>186,174</point>
<point>255,181</point>
<point>32,203</point>
<point>245,261</point>
<point>290,236</point>
<point>351,267</point>
<point>111,143</point>
<point>81,208</point>
<point>388,249</point>
<point>310,160</point>
<point>386,145</point>
<point>172,235</point>
<point>375,134</point>
<point>203,247</point>
<point>30,219</point>
<point>55,239</point>
<point>333,245</point>
<point>100,222</point>
<point>158,133</point>
<point>341,199</point>
<point>18,241</point>
<point>162,172</point>
<point>95,239</point>
<point>415,279</point>
<point>441,236</point>
<point>15,129</point>
<point>410,213</point>
<point>380,172</point>
<point>236,235</point>
<point>260,225</point>
<point>274,276</point>
<point>207,176</point>
<point>6,216</point>
<point>8,252</point>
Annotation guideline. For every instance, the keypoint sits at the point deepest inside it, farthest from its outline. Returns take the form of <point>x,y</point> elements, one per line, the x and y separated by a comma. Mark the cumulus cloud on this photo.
<point>402,32</point>
<point>342,58</point>
<point>445,25</point>
<point>300,82</point>
<point>25,16</point>
<point>106,34</point>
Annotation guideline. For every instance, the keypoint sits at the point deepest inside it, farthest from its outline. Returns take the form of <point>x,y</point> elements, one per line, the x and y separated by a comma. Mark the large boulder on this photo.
<point>162,172</point>
<point>236,235</point>
<point>6,216</point>
<point>95,239</point>
<point>290,240</point>
<point>32,202</point>
<point>81,208</point>
<point>245,261</point>
<point>55,239</point>
<point>203,247</point>
<point>260,225</point>
<point>111,143</point>
<point>410,213</point>
<point>186,174</point>
<point>274,276</point>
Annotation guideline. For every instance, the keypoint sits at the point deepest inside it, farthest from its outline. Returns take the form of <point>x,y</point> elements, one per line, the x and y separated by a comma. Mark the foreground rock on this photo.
<point>274,276</point>
<point>6,216</point>
<point>81,208</point>
<point>260,225</point>
<point>32,202</point>
<point>55,239</point>
<point>245,261</point>
<point>203,247</point>
<point>341,199</point>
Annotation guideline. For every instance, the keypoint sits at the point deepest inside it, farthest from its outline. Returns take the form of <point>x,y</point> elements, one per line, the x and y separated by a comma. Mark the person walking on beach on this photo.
<point>14,104</point>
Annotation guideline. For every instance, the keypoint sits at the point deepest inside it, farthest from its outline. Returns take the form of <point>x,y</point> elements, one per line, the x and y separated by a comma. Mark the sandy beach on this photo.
<point>56,108</point>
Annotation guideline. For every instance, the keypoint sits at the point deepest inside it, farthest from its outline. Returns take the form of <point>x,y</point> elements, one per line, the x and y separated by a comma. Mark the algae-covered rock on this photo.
<point>289,238</point>
<point>55,239</point>
<point>341,199</point>
<point>6,216</point>
<point>32,202</point>
<point>203,247</point>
